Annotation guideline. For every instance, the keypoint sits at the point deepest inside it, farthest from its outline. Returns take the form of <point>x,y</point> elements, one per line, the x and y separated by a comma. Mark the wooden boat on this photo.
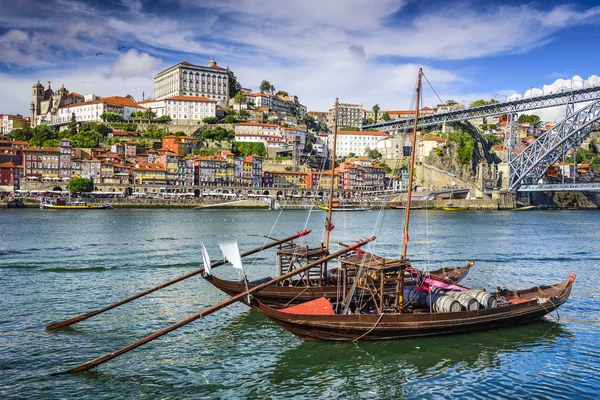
<point>376,302</point>
<point>302,290</point>
<point>344,207</point>
<point>450,207</point>
<point>404,207</point>
<point>64,204</point>
<point>515,307</point>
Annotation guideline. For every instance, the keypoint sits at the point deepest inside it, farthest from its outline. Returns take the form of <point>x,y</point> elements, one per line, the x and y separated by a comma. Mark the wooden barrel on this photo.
<point>485,299</point>
<point>414,298</point>
<point>467,301</point>
<point>441,303</point>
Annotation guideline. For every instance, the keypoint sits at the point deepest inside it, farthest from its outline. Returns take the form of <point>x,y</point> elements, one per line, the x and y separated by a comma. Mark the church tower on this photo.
<point>37,96</point>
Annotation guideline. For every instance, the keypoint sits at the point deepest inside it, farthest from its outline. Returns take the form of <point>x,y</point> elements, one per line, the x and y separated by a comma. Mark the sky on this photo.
<point>360,51</point>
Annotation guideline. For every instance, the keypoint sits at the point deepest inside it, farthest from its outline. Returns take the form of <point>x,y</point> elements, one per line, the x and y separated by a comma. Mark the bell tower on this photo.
<point>37,95</point>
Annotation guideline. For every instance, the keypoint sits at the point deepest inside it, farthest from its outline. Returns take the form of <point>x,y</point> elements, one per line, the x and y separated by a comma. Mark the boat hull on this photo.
<point>399,326</point>
<point>288,295</point>
<point>91,207</point>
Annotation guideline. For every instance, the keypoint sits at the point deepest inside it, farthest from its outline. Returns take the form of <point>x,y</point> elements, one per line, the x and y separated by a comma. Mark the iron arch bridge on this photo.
<point>532,163</point>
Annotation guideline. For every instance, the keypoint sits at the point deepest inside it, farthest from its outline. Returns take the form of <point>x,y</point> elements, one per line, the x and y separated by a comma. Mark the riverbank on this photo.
<point>474,204</point>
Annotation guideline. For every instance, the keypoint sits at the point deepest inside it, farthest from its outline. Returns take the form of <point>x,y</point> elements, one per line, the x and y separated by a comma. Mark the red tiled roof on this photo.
<point>75,94</point>
<point>257,135</point>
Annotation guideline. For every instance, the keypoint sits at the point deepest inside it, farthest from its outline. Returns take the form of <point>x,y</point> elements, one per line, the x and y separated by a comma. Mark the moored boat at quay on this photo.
<point>65,204</point>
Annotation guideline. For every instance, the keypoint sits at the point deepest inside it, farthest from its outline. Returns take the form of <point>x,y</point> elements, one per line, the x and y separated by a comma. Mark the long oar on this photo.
<point>91,364</point>
<point>71,321</point>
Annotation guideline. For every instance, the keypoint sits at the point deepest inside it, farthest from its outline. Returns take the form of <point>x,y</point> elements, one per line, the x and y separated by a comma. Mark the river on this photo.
<point>58,264</point>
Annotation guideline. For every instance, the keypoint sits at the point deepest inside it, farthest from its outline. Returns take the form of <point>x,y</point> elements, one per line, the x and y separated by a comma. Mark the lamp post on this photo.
<point>500,94</point>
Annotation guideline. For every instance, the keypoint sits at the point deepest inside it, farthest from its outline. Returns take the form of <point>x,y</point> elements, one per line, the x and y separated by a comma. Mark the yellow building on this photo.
<point>149,174</point>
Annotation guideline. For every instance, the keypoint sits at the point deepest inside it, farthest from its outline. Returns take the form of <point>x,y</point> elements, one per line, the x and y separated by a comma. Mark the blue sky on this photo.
<point>362,51</point>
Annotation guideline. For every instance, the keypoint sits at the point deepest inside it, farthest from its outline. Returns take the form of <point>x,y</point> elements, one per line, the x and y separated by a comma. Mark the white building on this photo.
<point>426,145</point>
<point>187,79</point>
<point>159,107</point>
<point>260,100</point>
<point>290,135</point>
<point>92,110</point>
<point>391,148</point>
<point>184,109</point>
<point>355,142</point>
<point>8,122</point>
<point>253,128</point>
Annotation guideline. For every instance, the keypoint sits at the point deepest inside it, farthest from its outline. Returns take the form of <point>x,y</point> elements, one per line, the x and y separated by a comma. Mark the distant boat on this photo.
<point>344,207</point>
<point>404,207</point>
<point>451,207</point>
<point>64,204</point>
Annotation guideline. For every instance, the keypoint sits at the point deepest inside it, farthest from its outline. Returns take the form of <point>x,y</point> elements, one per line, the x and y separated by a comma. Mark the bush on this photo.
<point>465,146</point>
<point>230,119</point>
<point>244,149</point>
<point>210,120</point>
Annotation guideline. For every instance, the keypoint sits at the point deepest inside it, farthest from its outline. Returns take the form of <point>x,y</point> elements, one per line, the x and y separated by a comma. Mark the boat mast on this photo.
<point>411,170</point>
<point>328,225</point>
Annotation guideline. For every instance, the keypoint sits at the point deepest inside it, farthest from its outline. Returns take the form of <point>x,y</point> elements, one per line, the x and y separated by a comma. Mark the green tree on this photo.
<point>234,85</point>
<point>149,115</point>
<point>373,154</point>
<point>282,93</point>
<point>247,148</point>
<point>465,146</point>
<point>272,89</point>
<point>482,102</point>
<point>385,116</point>
<point>80,185</point>
<point>230,119</point>
<point>376,111</point>
<point>210,120</point>
<point>179,133</point>
<point>244,113</point>
<point>351,155</point>
<point>451,102</point>
<point>129,96</point>
<point>349,128</point>
<point>154,132</point>
<point>240,97</point>
<point>493,139</point>
<point>164,119</point>
<point>369,121</point>
<point>41,134</point>
<point>265,86</point>
<point>112,117</point>
<point>532,119</point>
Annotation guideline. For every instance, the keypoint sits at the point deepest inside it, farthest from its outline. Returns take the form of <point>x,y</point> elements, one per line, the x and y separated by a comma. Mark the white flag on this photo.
<point>231,252</point>
<point>205,259</point>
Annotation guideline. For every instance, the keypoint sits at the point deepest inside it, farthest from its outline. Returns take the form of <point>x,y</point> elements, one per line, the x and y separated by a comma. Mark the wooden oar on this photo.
<point>91,364</point>
<point>71,321</point>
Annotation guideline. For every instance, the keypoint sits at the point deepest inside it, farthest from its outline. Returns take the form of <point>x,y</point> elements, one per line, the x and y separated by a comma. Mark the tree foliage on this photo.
<point>108,116</point>
<point>265,86</point>
<point>80,185</point>
<point>376,111</point>
<point>349,128</point>
<point>385,116</point>
<point>282,93</point>
<point>164,119</point>
<point>482,102</point>
<point>465,146</point>
<point>240,97</point>
<point>532,119</point>
<point>373,154</point>
<point>218,133</point>
<point>154,132</point>
<point>210,120</point>
<point>246,148</point>
<point>234,85</point>
<point>493,140</point>
<point>230,119</point>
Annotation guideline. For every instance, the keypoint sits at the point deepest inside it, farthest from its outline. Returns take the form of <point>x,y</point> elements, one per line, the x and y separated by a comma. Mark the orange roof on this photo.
<point>192,98</point>
<point>75,94</point>
<point>8,164</point>
<point>434,139</point>
<point>117,101</point>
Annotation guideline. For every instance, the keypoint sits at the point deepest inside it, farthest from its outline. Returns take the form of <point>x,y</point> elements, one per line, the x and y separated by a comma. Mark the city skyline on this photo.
<point>359,51</point>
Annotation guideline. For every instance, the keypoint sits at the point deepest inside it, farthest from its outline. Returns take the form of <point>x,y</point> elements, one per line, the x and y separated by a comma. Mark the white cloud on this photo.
<point>556,114</point>
<point>134,63</point>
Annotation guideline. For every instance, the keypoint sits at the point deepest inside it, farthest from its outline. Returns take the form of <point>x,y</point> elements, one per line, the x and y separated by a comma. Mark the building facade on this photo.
<point>349,115</point>
<point>355,142</point>
<point>190,109</point>
<point>187,79</point>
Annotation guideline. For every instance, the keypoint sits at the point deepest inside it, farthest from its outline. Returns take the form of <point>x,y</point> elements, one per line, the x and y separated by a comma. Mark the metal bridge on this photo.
<point>561,187</point>
<point>562,98</point>
<point>532,163</point>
